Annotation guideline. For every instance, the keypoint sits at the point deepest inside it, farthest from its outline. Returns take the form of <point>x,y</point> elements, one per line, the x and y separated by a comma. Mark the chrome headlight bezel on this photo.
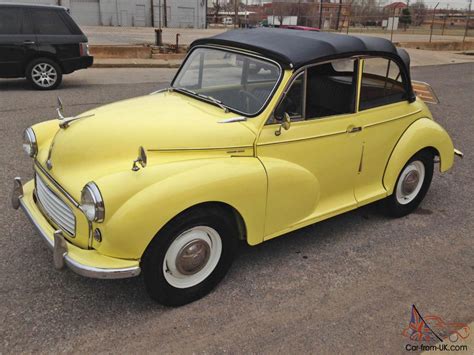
<point>30,144</point>
<point>92,203</point>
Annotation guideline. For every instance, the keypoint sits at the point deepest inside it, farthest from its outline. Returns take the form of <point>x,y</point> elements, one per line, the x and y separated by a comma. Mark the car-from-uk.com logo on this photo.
<point>432,333</point>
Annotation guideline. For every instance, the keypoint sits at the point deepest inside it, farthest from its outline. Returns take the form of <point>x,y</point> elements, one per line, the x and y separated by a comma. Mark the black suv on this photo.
<point>40,43</point>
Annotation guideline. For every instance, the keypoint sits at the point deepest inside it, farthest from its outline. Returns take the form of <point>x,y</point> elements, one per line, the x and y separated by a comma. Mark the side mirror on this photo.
<point>141,159</point>
<point>286,124</point>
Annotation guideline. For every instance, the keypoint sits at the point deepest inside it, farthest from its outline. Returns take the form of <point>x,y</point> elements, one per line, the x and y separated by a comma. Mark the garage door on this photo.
<point>185,17</point>
<point>86,12</point>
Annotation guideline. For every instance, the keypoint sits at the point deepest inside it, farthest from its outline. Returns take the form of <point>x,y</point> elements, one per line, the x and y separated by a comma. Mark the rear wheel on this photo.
<point>189,257</point>
<point>44,74</point>
<point>412,185</point>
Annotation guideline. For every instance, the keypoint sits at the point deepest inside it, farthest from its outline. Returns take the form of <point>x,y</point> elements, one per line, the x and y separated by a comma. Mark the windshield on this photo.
<point>240,82</point>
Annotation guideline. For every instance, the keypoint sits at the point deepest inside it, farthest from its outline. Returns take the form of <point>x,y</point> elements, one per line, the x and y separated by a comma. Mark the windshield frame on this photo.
<point>241,52</point>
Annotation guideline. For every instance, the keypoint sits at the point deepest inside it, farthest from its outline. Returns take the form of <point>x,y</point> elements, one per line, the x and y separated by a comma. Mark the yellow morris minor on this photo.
<point>261,132</point>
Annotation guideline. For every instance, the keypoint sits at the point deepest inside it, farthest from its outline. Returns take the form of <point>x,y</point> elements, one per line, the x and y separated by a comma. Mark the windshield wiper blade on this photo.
<point>217,102</point>
<point>205,97</point>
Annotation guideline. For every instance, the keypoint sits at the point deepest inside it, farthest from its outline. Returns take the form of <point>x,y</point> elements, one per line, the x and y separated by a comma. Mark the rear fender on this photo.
<point>421,134</point>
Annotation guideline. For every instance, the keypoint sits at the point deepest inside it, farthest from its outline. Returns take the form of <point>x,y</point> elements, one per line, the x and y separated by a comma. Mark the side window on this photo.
<point>49,22</point>
<point>292,104</point>
<point>10,21</point>
<point>381,83</point>
<point>331,89</point>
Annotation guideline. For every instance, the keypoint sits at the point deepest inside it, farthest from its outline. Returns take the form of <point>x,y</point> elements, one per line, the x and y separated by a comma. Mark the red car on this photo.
<point>303,28</point>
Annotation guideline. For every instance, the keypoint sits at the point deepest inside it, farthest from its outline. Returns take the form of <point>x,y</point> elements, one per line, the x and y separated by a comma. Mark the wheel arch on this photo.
<point>423,134</point>
<point>40,55</point>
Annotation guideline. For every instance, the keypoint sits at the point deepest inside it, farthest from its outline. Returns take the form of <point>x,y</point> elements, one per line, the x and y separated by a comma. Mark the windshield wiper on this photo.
<point>205,97</point>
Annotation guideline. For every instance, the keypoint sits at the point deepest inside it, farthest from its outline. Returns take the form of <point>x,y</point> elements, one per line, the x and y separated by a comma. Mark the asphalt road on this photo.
<point>344,285</point>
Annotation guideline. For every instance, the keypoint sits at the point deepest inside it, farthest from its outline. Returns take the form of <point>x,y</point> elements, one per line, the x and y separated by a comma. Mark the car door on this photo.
<point>384,114</point>
<point>312,166</point>
<point>17,41</point>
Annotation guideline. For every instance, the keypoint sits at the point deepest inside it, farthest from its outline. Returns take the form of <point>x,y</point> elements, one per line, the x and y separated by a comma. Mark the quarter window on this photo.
<point>50,22</point>
<point>382,83</point>
<point>10,21</point>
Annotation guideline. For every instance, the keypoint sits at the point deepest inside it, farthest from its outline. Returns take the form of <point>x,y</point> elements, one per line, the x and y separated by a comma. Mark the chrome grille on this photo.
<point>55,209</point>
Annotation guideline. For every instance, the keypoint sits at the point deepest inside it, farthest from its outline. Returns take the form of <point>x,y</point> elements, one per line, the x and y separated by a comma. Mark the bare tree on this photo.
<point>216,6</point>
<point>419,12</point>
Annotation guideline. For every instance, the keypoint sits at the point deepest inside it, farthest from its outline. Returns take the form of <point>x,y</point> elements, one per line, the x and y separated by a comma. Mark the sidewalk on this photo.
<point>418,58</point>
<point>135,63</point>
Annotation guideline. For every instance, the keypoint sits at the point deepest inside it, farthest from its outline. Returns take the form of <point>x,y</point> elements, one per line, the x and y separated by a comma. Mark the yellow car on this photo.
<point>261,132</point>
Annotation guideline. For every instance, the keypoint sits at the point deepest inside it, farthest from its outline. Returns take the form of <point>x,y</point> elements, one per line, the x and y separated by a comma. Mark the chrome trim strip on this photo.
<point>303,139</point>
<point>199,149</point>
<point>392,119</point>
<point>57,185</point>
<point>78,268</point>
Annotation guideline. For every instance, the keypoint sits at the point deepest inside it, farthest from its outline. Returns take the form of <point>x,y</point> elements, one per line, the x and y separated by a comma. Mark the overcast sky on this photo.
<point>460,4</point>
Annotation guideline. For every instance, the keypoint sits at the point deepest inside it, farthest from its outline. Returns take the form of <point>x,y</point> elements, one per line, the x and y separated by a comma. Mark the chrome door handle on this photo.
<point>354,129</point>
<point>29,42</point>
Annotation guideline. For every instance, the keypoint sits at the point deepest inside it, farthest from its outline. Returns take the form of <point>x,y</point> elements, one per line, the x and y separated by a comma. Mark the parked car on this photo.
<point>227,21</point>
<point>40,43</point>
<point>261,132</point>
<point>303,28</point>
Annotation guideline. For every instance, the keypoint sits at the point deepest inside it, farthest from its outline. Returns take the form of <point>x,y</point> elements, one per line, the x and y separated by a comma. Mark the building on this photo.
<point>135,13</point>
<point>395,9</point>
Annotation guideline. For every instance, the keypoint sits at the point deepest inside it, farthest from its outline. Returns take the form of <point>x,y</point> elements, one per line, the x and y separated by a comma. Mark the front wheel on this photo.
<point>189,257</point>
<point>412,185</point>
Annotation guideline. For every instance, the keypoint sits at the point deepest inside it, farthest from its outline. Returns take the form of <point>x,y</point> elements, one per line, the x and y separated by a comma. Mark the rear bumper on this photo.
<point>88,263</point>
<point>71,65</point>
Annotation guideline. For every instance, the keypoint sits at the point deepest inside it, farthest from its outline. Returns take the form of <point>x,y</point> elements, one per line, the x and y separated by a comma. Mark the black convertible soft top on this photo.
<point>296,48</point>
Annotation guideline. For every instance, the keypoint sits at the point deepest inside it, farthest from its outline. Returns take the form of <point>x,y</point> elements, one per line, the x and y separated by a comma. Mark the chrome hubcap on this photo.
<point>193,257</point>
<point>44,75</point>
<point>410,182</point>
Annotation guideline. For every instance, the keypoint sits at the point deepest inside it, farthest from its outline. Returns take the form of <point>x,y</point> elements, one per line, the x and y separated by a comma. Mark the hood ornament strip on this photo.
<point>65,121</point>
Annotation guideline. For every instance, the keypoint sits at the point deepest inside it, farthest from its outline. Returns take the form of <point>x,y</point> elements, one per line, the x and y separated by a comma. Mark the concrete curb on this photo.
<point>136,65</point>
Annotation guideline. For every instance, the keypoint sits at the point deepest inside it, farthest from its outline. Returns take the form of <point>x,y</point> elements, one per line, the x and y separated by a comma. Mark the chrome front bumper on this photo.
<point>61,247</point>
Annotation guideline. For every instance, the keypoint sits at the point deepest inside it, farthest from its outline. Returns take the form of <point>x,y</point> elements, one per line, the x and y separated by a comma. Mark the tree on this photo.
<point>217,7</point>
<point>419,12</point>
<point>405,18</point>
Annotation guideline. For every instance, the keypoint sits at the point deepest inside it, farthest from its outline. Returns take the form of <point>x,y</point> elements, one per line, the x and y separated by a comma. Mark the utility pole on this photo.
<point>320,14</point>
<point>152,13</point>
<point>467,22</point>
<point>432,21</point>
<point>444,20</point>
<point>246,13</point>
<point>338,14</point>
<point>236,12</point>
<point>165,14</point>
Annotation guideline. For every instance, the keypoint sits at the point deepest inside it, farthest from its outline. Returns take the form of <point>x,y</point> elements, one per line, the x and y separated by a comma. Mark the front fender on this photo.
<point>238,181</point>
<point>421,134</point>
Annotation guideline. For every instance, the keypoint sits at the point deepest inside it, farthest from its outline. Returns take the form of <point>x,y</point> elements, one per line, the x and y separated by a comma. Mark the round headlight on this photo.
<point>30,146</point>
<point>92,203</point>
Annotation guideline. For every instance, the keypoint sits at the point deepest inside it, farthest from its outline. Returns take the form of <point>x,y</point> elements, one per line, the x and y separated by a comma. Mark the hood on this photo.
<point>108,141</point>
